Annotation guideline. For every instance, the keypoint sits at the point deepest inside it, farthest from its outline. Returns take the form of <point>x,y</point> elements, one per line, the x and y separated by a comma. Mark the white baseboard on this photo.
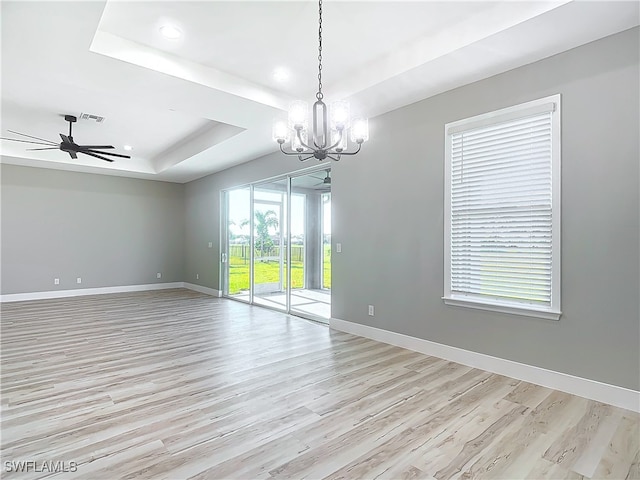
<point>583,387</point>
<point>21,297</point>
<point>201,289</point>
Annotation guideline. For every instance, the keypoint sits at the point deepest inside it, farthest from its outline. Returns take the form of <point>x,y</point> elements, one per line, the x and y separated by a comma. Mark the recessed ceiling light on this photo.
<point>128,147</point>
<point>170,32</point>
<point>281,74</point>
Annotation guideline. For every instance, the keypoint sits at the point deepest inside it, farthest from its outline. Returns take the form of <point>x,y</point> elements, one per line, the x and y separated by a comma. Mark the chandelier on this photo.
<point>328,126</point>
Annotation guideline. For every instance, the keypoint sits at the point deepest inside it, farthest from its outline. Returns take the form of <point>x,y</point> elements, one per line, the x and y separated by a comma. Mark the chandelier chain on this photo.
<point>319,95</point>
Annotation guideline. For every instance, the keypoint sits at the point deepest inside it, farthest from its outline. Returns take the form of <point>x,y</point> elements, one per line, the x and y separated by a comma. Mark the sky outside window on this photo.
<point>239,210</point>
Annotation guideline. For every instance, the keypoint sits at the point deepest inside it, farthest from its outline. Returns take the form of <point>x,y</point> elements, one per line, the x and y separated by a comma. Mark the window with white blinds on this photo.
<point>502,235</point>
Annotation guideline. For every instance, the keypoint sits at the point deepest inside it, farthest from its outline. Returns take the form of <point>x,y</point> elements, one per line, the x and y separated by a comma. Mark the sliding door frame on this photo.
<point>224,230</point>
<point>251,242</point>
<point>289,282</point>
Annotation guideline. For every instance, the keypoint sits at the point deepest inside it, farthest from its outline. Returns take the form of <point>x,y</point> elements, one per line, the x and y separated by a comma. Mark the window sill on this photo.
<point>493,307</point>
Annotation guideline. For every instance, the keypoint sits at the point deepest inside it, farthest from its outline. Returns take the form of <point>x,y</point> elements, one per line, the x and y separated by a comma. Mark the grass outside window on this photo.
<point>269,272</point>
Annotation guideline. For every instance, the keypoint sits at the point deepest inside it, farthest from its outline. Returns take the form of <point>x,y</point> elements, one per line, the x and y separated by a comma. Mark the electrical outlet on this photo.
<point>56,281</point>
<point>210,244</point>
<point>158,275</point>
<point>338,248</point>
<point>78,280</point>
<point>371,310</point>
<point>197,276</point>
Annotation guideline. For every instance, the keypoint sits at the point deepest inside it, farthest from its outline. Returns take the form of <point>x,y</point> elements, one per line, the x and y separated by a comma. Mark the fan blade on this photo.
<point>104,153</point>
<point>89,147</point>
<point>65,138</point>
<point>73,155</point>
<point>28,141</point>
<point>46,148</point>
<point>97,156</point>
<point>31,136</point>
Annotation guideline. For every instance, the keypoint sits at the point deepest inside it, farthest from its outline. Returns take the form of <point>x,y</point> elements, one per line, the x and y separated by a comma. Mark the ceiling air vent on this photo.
<point>93,118</point>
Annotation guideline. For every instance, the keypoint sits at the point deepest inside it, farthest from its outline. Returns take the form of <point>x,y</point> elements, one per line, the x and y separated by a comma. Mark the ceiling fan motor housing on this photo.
<point>68,147</point>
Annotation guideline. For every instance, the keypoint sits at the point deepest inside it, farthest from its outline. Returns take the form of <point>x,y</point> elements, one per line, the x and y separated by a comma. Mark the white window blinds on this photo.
<point>501,195</point>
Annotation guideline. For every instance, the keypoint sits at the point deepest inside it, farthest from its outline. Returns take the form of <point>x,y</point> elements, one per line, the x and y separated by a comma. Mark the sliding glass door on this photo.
<point>270,244</point>
<point>236,256</point>
<point>309,296</point>
<point>278,244</point>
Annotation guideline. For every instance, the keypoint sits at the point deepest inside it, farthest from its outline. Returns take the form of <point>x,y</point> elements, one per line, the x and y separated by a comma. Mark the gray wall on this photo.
<point>110,231</point>
<point>388,215</point>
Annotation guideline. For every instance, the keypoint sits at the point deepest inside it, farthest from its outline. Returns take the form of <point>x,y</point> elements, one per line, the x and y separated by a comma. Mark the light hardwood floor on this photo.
<point>175,384</point>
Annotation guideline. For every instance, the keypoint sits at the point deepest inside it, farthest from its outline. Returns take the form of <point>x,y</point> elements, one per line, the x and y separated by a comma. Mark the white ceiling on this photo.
<point>206,101</point>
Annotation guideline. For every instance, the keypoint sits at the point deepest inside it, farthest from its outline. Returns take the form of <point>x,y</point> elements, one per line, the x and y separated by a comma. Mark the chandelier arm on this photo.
<point>287,153</point>
<point>300,140</point>
<point>304,159</point>
<point>352,153</point>
<point>334,158</point>
<point>341,131</point>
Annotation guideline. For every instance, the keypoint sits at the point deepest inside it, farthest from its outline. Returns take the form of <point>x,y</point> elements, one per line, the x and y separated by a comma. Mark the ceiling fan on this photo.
<point>68,144</point>
<point>326,181</point>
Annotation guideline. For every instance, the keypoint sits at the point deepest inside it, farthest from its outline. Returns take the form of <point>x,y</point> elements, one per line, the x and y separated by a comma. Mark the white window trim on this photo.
<point>551,103</point>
